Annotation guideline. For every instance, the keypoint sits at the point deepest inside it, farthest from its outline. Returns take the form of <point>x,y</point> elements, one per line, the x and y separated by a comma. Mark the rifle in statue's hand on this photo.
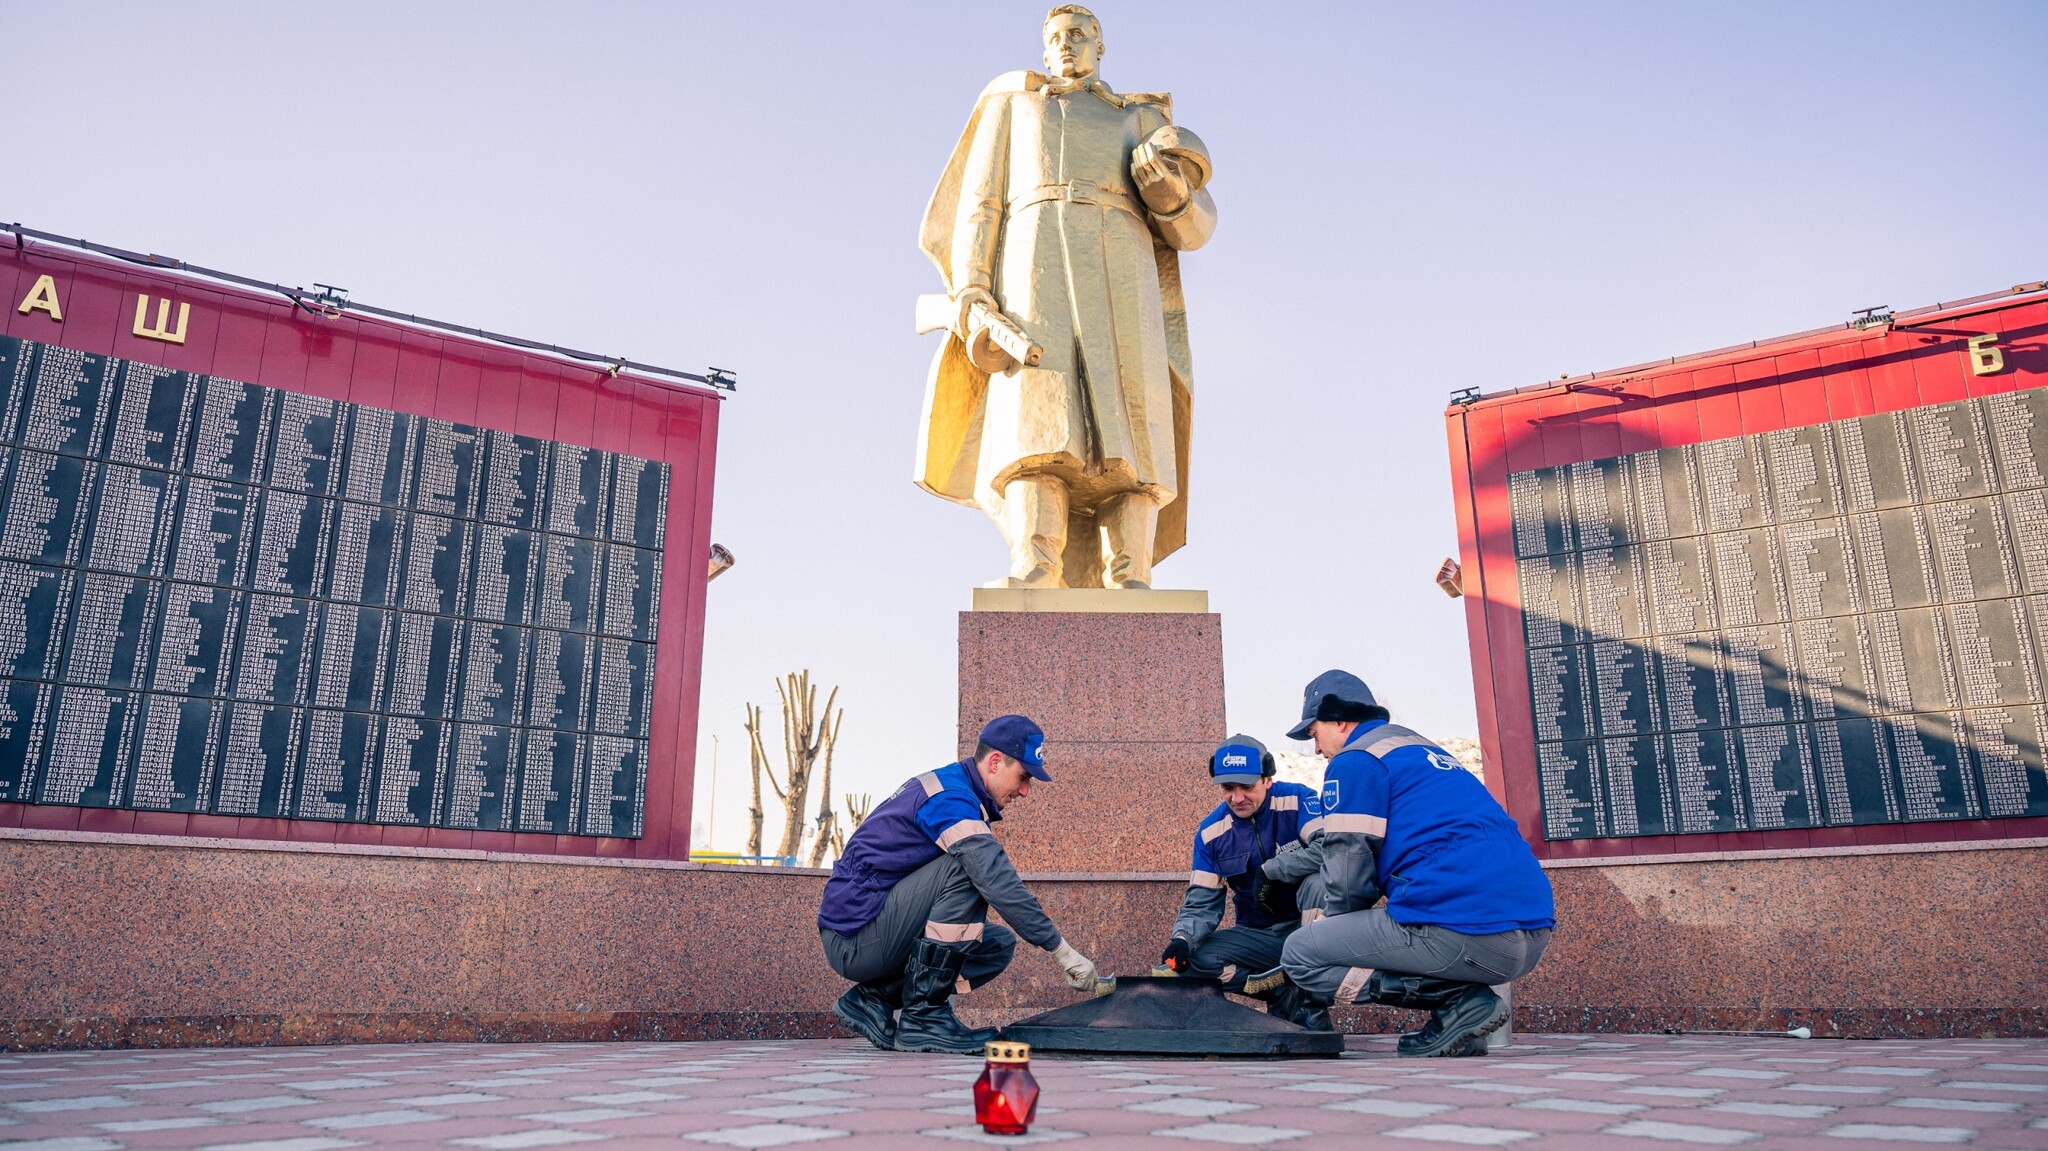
<point>995,342</point>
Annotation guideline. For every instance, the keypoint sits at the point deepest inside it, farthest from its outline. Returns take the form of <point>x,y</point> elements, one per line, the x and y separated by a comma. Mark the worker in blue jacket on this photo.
<point>1467,904</point>
<point>905,912</point>
<point>1262,844</point>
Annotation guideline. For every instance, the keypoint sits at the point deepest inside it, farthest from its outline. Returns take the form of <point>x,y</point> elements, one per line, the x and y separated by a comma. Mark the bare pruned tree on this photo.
<point>857,808</point>
<point>827,832</point>
<point>807,743</point>
<point>757,763</point>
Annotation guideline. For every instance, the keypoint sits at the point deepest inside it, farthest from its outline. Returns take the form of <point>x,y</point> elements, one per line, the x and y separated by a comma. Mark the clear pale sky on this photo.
<point>1413,199</point>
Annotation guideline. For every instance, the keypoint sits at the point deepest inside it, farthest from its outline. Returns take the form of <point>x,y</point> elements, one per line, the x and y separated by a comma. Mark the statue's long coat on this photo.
<point>1096,284</point>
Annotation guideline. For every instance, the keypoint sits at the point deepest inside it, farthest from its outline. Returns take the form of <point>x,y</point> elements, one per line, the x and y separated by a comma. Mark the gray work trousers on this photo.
<point>1332,958</point>
<point>1235,953</point>
<point>937,893</point>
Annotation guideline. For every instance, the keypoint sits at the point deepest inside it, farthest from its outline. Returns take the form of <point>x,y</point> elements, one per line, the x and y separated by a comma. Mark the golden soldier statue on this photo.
<point>1060,401</point>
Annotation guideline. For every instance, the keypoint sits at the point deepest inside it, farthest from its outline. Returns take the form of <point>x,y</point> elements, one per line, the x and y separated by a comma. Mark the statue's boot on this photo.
<point>927,1022</point>
<point>1034,521</point>
<point>870,1009</point>
<point>1461,1014</point>
<point>1130,525</point>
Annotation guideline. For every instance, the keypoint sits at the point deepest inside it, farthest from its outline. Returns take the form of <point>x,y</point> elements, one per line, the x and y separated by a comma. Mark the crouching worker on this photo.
<point>1262,844</point>
<point>1467,904</point>
<point>904,914</point>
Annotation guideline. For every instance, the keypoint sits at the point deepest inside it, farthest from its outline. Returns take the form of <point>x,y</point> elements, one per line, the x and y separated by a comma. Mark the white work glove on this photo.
<point>1078,968</point>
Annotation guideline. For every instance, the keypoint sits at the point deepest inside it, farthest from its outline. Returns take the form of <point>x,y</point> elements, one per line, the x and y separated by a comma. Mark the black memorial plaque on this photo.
<point>566,595</point>
<point>1835,624</point>
<point>340,754</point>
<point>91,743</point>
<point>217,597</point>
<point>151,419</point>
<point>132,528</point>
<point>493,674</point>
<point>422,674</point>
<point>436,563</point>
<point>366,550</point>
<point>259,760</point>
<point>111,630</point>
<point>615,786</point>
<point>632,588</point>
<point>230,426</point>
<point>502,570</point>
<point>35,607</point>
<point>512,470</point>
<point>212,544</point>
<point>293,534</point>
<point>445,483</point>
<point>179,754</point>
<point>558,665</point>
<point>550,773</point>
<point>624,686</point>
<point>409,772</point>
<point>639,501</point>
<point>48,502</point>
<point>302,459</point>
<point>383,453</point>
<point>25,713</point>
<point>63,407</point>
<point>577,491</point>
<point>479,776</point>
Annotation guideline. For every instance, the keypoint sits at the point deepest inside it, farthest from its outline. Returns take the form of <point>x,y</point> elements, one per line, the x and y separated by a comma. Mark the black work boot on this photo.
<point>1285,1000</point>
<point>1415,1042</point>
<point>1461,1014</point>
<point>1420,992</point>
<point>1300,1008</point>
<point>870,1008</point>
<point>927,1022</point>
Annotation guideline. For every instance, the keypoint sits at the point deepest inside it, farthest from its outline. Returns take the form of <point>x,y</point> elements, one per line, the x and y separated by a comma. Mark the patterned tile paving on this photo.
<point>1545,1092</point>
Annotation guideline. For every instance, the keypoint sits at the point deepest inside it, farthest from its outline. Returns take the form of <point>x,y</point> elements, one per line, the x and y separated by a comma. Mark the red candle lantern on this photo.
<point>1006,1096</point>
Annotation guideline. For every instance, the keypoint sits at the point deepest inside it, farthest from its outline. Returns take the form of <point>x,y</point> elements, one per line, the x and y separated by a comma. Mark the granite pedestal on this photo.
<point>1129,688</point>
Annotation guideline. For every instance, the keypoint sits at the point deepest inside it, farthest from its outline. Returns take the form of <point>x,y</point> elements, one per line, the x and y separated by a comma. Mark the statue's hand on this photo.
<point>1161,183</point>
<point>967,299</point>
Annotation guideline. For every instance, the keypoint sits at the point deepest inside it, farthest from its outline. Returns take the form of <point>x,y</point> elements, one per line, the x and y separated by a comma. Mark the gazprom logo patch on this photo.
<point>1236,759</point>
<point>1330,795</point>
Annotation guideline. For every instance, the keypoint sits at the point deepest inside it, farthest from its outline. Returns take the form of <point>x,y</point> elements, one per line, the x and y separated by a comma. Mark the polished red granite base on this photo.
<point>1870,942</point>
<point>1132,705</point>
<point>132,941</point>
<point>135,941</point>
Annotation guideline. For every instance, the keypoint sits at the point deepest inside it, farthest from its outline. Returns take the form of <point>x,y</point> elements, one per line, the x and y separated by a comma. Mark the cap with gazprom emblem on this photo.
<point>1241,759</point>
<point>1021,740</point>
<point>1327,695</point>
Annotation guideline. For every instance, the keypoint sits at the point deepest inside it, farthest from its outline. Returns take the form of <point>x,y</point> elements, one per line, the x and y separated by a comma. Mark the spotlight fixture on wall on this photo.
<point>1450,576</point>
<point>721,560</point>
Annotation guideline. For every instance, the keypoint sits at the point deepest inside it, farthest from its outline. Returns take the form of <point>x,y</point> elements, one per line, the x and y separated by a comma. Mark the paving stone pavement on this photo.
<point>1546,1091</point>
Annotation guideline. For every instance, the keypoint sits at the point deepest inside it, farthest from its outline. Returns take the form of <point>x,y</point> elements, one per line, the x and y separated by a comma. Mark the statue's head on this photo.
<point>1073,42</point>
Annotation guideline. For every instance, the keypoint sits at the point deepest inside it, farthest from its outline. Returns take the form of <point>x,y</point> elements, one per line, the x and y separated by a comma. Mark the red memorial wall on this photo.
<point>89,304</point>
<point>1823,379</point>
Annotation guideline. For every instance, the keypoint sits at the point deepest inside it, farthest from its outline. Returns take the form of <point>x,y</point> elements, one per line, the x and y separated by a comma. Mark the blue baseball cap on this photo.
<point>1020,739</point>
<point>1330,688</point>
<point>1241,759</point>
